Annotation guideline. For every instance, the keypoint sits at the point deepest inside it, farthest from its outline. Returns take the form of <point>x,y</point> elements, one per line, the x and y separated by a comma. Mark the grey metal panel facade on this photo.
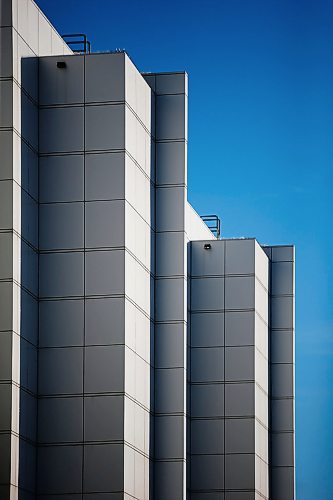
<point>134,363</point>
<point>228,380</point>
<point>170,142</point>
<point>282,371</point>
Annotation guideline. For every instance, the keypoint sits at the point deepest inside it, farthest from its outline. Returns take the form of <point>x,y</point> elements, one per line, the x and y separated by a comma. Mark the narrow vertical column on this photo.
<point>170,285</point>
<point>282,386</point>
<point>229,370</point>
<point>207,370</point>
<point>61,275</point>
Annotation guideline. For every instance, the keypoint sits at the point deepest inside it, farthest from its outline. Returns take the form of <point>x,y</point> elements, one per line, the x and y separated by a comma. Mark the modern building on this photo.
<point>141,357</point>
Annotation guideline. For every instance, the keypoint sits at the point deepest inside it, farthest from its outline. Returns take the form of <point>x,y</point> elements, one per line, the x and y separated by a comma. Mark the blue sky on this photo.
<point>260,150</point>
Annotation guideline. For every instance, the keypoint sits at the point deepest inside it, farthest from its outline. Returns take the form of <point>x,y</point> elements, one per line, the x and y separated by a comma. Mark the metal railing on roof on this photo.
<point>213,223</point>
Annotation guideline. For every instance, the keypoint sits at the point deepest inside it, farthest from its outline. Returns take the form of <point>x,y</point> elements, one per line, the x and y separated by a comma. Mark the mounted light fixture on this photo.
<point>61,64</point>
<point>207,246</point>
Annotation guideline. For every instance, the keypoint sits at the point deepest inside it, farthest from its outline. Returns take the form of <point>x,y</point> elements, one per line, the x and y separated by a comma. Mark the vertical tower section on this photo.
<point>282,371</point>
<point>228,370</point>
<point>170,140</point>
<point>24,34</point>
<point>95,277</point>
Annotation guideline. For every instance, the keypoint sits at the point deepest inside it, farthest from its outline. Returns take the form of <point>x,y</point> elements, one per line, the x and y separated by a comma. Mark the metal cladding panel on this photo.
<point>282,371</point>
<point>24,35</point>
<point>170,142</point>
<point>228,362</point>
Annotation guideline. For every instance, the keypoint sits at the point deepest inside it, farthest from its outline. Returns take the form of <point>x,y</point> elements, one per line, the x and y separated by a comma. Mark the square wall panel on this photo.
<point>60,420</point>
<point>105,321</point>
<point>239,292</point>
<point>239,328</point>
<point>6,97</point>
<point>170,340</point>
<point>170,209</point>
<point>283,253</point>
<point>207,329</point>
<point>61,274</point>
<point>170,254</point>
<point>239,364</point>
<point>282,380</point>
<point>171,163</point>
<point>207,437</point>
<point>171,83</point>
<point>61,85</point>
<point>61,226</point>
<point>61,178</point>
<point>169,437</point>
<point>170,117</point>
<point>282,415</point>
<point>6,204</point>
<point>240,256</point>
<point>240,435</point>
<point>59,470</point>
<point>6,252</point>
<point>207,364</point>
<point>60,371</point>
<point>207,472</point>
<point>105,272</point>
<point>169,390</point>
<point>239,400</point>
<point>207,400</point>
<point>105,127</point>
<point>104,369</point>
<point>6,148</point>
<point>282,449</point>
<point>103,468</point>
<point>105,77</point>
<point>6,306</point>
<point>282,313</point>
<point>105,176</point>
<point>6,355</point>
<point>283,483</point>
<point>61,323</point>
<point>207,262</point>
<point>207,294</point>
<point>103,418</point>
<point>5,406</point>
<point>169,302</point>
<point>5,451</point>
<point>282,346</point>
<point>61,130</point>
<point>282,280</point>
<point>169,477</point>
<point>105,224</point>
<point>233,479</point>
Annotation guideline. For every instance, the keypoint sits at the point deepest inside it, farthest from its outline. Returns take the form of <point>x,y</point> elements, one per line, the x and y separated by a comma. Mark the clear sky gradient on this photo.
<point>260,151</point>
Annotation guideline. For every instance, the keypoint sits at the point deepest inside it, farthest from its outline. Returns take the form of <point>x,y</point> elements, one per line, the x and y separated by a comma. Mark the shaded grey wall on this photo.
<point>282,371</point>
<point>94,278</point>
<point>228,443</point>
<point>25,34</point>
<point>170,91</point>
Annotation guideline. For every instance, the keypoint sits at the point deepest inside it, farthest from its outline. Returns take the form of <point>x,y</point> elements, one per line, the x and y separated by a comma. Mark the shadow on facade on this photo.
<point>28,339</point>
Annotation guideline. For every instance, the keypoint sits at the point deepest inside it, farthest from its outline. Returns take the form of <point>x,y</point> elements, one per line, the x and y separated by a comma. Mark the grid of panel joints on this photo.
<point>282,355</point>
<point>170,96</point>
<point>18,242</point>
<point>105,305</point>
<point>218,312</point>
